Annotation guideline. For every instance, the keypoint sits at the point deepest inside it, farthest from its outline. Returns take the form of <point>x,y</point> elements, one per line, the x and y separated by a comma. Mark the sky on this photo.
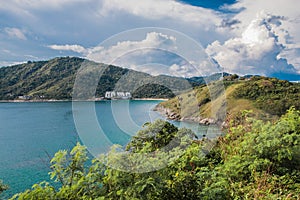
<point>181,38</point>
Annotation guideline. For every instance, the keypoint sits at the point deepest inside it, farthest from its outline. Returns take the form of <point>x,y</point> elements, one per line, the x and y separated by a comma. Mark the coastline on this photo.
<point>70,100</point>
<point>171,115</point>
<point>150,99</point>
<point>33,101</point>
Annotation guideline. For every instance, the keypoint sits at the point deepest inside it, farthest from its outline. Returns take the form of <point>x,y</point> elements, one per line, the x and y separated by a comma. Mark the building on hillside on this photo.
<point>25,97</point>
<point>117,95</point>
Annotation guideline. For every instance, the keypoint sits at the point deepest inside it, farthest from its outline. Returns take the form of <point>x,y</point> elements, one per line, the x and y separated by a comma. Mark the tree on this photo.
<point>261,160</point>
<point>157,135</point>
<point>68,168</point>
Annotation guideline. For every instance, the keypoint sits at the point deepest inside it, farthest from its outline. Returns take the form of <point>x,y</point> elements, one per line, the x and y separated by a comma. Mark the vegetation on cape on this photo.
<point>269,98</point>
<point>54,79</point>
<point>253,160</point>
<point>270,94</point>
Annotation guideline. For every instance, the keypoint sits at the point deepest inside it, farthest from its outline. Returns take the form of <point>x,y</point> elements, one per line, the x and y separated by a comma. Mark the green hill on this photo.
<point>268,98</point>
<point>54,79</point>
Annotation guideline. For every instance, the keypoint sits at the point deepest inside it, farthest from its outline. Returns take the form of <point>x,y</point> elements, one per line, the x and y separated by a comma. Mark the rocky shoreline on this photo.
<point>169,114</point>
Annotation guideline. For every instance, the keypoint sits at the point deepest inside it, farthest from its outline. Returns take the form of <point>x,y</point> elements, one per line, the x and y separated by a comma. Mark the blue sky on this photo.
<point>211,4</point>
<point>244,36</point>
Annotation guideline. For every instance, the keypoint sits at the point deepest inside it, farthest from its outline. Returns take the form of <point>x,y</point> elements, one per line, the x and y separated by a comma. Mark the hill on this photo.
<point>54,79</point>
<point>268,98</point>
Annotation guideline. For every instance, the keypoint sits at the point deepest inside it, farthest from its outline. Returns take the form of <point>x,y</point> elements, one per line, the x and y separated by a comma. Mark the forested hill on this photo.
<point>54,79</point>
<point>266,97</point>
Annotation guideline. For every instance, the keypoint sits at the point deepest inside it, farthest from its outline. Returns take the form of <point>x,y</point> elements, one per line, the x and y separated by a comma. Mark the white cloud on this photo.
<point>256,51</point>
<point>76,48</point>
<point>287,9</point>
<point>9,63</point>
<point>113,54</point>
<point>15,33</point>
<point>163,9</point>
<point>238,46</point>
<point>153,40</point>
<point>33,4</point>
<point>158,53</point>
<point>250,8</point>
<point>146,55</point>
<point>182,70</point>
<point>151,68</point>
<point>24,9</point>
<point>89,22</point>
<point>293,57</point>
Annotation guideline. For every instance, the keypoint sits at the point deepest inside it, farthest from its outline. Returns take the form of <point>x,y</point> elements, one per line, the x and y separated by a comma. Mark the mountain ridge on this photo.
<point>55,78</point>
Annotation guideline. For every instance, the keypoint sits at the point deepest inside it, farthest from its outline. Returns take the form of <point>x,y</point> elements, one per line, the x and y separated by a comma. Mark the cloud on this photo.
<point>74,27</point>
<point>248,10</point>
<point>114,53</point>
<point>287,32</point>
<point>15,33</point>
<point>178,69</point>
<point>156,53</point>
<point>86,23</point>
<point>33,4</point>
<point>8,63</point>
<point>293,57</point>
<point>183,70</point>
<point>29,11</point>
<point>256,51</point>
<point>287,9</point>
<point>162,9</point>
<point>76,48</point>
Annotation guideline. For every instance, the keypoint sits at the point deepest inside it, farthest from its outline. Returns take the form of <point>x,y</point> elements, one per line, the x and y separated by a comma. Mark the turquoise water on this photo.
<point>30,133</point>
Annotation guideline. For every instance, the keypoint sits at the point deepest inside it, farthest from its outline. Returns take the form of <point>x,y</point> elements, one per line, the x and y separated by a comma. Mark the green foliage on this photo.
<point>153,91</point>
<point>156,135</point>
<point>261,160</point>
<point>51,79</point>
<point>270,94</point>
<point>254,160</point>
<point>76,181</point>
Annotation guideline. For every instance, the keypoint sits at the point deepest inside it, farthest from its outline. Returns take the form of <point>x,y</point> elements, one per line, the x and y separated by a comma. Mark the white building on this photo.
<point>117,95</point>
<point>25,97</point>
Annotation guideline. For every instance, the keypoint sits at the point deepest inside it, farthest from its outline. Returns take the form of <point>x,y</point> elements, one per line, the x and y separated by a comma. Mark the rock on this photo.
<point>224,125</point>
<point>207,121</point>
<point>176,116</point>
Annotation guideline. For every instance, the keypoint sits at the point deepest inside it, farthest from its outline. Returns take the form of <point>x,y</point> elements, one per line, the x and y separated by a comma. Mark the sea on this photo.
<point>32,132</point>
